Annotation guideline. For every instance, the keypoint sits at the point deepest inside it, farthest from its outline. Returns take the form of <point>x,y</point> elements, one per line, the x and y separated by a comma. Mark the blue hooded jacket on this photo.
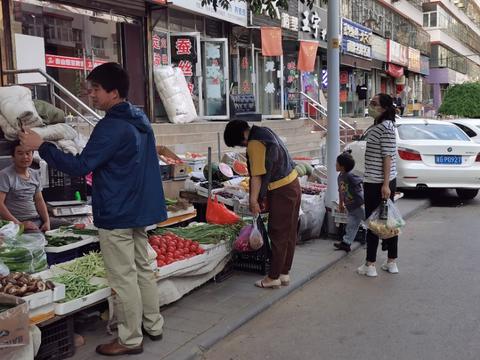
<point>127,186</point>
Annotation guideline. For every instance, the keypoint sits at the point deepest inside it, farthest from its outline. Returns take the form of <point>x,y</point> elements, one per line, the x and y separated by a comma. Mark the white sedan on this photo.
<point>431,154</point>
<point>471,127</point>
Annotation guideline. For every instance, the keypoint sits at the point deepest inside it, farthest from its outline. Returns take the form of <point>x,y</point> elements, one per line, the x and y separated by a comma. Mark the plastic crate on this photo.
<point>255,261</point>
<point>166,172</point>
<point>63,187</point>
<point>57,340</point>
<point>57,258</point>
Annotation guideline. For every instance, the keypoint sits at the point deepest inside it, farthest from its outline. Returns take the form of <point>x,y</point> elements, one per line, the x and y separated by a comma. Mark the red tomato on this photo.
<point>193,248</point>
<point>180,245</point>
<point>161,257</point>
<point>169,260</point>
<point>181,257</point>
<point>199,251</point>
<point>79,226</point>
<point>171,248</point>
<point>160,263</point>
<point>177,253</point>
<point>169,255</point>
<point>158,252</point>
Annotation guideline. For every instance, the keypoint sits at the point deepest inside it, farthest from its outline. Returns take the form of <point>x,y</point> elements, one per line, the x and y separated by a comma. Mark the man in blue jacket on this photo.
<point>127,196</point>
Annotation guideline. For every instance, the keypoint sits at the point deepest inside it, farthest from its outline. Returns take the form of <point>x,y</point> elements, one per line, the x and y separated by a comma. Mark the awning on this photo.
<point>394,70</point>
<point>356,62</point>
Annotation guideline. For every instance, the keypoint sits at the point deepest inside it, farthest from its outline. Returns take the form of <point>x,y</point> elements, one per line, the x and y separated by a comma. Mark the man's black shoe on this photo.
<point>342,246</point>
<point>152,337</point>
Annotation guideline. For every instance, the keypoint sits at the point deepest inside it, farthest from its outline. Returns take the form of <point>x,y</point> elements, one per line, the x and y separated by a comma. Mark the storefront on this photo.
<point>381,81</point>
<point>276,79</point>
<point>313,27</point>
<point>198,40</point>
<point>397,63</point>
<point>355,69</point>
<point>68,41</point>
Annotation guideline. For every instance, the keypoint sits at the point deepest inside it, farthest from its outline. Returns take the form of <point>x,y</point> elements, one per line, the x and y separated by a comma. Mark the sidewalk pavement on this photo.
<point>207,315</point>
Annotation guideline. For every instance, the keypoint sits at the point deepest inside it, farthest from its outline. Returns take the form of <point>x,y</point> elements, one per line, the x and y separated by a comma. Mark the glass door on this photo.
<point>216,95</point>
<point>185,53</point>
<point>269,72</point>
<point>246,83</point>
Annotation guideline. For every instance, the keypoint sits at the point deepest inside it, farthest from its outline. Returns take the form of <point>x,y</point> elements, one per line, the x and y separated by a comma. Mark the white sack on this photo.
<point>56,132</point>
<point>173,90</point>
<point>9,131</point>
<point>16,102</point>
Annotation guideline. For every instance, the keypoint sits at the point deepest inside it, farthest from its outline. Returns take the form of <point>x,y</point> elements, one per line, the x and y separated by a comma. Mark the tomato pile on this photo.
<point>171,248</point>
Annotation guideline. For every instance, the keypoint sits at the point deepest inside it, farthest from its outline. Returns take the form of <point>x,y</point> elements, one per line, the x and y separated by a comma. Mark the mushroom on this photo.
<point>13,290</point>
<point>41,285</point>
<point>7,288</point>
<point>22,290</point>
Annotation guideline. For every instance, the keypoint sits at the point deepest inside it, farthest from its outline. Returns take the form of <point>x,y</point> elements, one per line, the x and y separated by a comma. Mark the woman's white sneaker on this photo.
<point>391,267</point>
<point>368,270</point>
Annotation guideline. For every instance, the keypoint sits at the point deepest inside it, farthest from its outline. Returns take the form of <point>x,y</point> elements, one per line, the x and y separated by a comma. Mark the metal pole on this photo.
<point>209,172</point>
<point>333,134</point>
<point>218,148</point>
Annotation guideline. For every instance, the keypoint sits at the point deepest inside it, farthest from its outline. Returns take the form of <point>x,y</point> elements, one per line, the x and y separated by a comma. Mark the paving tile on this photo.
<point>177,336</point>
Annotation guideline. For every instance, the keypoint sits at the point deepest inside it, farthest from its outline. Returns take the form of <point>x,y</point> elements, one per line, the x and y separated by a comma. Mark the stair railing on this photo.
<point>321,111</point>
<point>54,84</point>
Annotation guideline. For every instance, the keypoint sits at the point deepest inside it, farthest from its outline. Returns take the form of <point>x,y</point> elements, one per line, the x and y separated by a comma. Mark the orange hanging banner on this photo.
<point>271,41</point>
<point>307,55</point>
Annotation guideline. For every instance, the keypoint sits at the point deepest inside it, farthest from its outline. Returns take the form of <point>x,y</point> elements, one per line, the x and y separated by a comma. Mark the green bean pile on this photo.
<point>76,286</point>
<point>87,266</point>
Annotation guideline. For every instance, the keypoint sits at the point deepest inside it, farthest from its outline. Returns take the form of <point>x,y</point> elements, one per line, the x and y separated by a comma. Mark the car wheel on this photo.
<point>467,194</point>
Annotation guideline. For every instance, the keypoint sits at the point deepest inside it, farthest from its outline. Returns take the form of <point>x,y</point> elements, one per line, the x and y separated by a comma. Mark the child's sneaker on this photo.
<point>368,270</point>
<point>340,245</point>
<point>391,267</point>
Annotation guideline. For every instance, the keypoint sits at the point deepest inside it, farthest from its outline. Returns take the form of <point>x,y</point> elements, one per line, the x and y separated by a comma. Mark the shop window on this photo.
<point>181,21</point>
<point>213,28</point>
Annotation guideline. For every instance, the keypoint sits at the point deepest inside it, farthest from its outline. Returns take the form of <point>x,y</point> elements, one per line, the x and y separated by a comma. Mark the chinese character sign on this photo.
<point>159,48</point>
<point>313,23</point>
<point>183,50</point>
<point>356,39</point>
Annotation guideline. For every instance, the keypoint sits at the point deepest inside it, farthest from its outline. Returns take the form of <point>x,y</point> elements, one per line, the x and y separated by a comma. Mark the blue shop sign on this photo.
<point>356,39</point>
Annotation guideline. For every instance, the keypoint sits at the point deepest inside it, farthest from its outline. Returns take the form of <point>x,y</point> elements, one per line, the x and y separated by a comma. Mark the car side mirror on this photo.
<point>356,137</point>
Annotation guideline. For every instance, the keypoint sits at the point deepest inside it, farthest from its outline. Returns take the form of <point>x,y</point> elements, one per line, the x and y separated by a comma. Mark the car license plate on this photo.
<point>448,159</point>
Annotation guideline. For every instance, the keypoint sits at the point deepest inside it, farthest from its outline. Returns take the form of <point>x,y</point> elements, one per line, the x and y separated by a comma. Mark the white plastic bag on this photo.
<point>256,238</point>
<point>386,221</point>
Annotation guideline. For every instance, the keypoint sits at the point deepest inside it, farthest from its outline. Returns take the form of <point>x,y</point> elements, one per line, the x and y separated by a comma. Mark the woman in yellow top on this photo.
<point>273,180</point>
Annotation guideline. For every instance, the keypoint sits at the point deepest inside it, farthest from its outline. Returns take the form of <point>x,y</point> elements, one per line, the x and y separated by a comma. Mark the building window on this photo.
<point>57,29</point>
<point>98,46</point>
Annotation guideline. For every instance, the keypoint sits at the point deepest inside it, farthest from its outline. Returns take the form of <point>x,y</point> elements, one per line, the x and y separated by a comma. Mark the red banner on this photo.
<point>73,63</point>
<point>307,55</point>
<point>394,71</point>
<point>271,41</point>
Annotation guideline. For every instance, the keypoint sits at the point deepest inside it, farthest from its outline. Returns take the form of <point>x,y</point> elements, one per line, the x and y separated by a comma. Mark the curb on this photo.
<point>226,326</point>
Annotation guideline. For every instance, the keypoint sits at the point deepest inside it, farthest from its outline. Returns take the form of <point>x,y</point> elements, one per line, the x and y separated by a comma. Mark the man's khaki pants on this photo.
<point>130,276</point>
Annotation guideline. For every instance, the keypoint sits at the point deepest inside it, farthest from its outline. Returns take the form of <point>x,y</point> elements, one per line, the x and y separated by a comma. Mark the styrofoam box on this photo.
<point>58,249</point>
<point>45,297</point>
<point>74,305</point>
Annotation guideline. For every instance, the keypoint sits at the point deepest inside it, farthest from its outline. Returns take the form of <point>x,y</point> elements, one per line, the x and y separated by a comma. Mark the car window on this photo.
<point>431,132</point>
<point>467,130</point>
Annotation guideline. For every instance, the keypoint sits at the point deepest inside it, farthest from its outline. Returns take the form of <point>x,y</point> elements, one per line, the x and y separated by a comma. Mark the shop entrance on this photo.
<point>215,79</point>
<point>270,101</point>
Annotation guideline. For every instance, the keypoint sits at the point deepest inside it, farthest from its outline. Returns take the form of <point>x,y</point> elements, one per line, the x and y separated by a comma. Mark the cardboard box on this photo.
<point>179,171</point>
<point>14,323</point>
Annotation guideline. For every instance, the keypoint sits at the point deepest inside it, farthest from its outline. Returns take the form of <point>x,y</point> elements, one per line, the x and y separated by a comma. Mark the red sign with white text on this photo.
<point>73,63</point>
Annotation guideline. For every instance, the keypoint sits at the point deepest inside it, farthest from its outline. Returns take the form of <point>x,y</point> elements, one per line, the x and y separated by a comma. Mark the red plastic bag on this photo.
<point>242,243</point>
<point>218,214</point>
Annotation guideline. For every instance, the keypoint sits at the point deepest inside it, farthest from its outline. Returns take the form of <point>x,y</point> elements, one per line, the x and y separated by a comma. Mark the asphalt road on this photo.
<point>430,310</point>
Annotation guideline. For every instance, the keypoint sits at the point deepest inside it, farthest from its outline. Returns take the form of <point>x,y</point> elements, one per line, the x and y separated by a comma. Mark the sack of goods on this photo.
<point>175,95</point>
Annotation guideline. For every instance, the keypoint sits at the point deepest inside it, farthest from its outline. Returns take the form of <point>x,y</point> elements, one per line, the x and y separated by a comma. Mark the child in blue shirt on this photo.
<point>350,189</point>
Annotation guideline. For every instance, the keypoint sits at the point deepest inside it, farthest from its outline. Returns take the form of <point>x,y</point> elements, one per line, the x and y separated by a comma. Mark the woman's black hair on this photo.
<point>386,102</point>
<point>234,132</point>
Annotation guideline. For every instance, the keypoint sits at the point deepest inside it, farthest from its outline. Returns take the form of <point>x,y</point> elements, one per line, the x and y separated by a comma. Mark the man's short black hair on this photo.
<point>346,161</point>
<point>13,146</point>
<point>233,134</point>
<point>111,76</point>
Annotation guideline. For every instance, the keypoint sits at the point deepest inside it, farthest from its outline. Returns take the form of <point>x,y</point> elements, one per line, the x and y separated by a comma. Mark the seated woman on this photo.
<point>21,199</point>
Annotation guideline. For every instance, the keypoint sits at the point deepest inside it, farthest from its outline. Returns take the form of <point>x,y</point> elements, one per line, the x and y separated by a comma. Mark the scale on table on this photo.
<point>69,208</point>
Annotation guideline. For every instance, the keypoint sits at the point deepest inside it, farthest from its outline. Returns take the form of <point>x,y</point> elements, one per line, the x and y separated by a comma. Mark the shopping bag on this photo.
<point>217,213</point>
<point>242,242</point>
<point>256,238</point>
<point>386,221</point>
